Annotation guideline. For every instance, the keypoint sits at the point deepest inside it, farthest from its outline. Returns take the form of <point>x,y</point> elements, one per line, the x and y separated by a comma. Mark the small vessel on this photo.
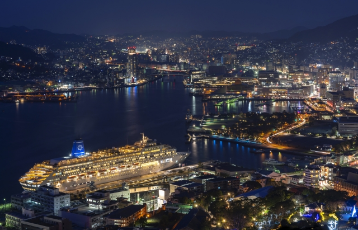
<point>292,164</point>
<point>257,151</point>
<point>272,161</point>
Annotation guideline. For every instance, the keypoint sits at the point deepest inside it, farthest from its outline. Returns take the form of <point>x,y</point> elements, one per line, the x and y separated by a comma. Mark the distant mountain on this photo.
<point>345,27</point>
<point>16,51</point>
<point>282,34</point>
<point>23,35</point>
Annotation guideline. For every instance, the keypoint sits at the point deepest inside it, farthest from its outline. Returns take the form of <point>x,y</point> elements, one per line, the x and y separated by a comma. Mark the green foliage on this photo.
<point>142,221</point>
<point>277,195</point>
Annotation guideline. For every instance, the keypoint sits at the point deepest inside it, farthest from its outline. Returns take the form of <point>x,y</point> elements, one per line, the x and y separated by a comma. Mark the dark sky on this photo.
<point>121,16</point>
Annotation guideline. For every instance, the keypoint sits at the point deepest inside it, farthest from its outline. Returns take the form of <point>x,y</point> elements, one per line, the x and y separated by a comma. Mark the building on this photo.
<point>334,99</point>
<point>348,125</point>
<point>243,47</point>
<point>13,219</point>
<point>125,216</point>
<point>84,216</point>
<point>311,176</point>
<point>327,175</point>
<point>50,198</point>
<point>132,65</point>
<point>347,183</point>
<point>98,198</point>
<point>176,184</point>
<point>19,200</point>
<point>223,183</point>
<point>232,170</point>
<point>46,223</point>
<point>296,180</point>
<point>203,179</point>
<point>322,90</point>
<point>336,81</point>
<point>268,77</point>
<point>257,193</point>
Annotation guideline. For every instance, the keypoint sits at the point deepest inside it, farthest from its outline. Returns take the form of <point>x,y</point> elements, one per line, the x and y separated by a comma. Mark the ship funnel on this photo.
<point>78,148</point>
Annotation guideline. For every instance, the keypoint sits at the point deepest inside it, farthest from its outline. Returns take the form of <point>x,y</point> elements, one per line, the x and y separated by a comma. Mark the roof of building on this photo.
<point>17,215</point>
<point>125,212</point>
<point>205,177</point>
<point>54,217</point>
<point>181,182</point>
<point>39,221</point>
<point>261,192</point>
<point>193,185</point>
<point>222,179</point>
<point>23,195</point>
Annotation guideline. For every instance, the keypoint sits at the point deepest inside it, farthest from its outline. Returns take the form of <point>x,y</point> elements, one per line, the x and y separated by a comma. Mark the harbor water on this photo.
<point>34,132</point>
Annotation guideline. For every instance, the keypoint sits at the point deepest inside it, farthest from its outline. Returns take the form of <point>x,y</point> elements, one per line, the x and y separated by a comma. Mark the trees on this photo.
<point>142,221</point>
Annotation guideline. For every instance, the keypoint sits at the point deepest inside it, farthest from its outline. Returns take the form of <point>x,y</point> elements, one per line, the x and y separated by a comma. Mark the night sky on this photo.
<point>123,16</point>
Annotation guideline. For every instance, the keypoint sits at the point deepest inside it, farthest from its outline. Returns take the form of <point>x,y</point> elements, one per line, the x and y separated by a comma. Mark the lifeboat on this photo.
<point>123,166</point>
<point>93,173</point>
<point>82,176</point>
<point>136,163</point>
<point>102,171</point>
<point>71,178</point>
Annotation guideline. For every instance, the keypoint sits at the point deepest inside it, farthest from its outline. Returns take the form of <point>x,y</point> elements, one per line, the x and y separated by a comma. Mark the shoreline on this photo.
<point>264,146</point>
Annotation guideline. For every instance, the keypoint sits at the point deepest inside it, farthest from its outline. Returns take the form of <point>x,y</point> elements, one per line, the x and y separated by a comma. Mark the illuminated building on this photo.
<point>243,47</point>
<point>347,183</point>
<point>311,176</point>
<point>125,216</point>
<point>50,199</point>
<point>336,80</point>
<point>132,65</point>
<point>92,169</point>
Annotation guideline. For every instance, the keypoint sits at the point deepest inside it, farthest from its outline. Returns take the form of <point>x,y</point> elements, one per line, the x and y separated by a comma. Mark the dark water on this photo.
<point>33,132</point>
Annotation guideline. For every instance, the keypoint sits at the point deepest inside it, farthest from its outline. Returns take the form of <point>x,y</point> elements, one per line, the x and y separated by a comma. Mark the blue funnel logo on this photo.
<point>78,148</point>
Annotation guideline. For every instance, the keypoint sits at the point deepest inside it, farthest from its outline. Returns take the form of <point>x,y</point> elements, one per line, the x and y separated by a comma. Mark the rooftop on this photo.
<point>261,192</point>
<point>125,212</point>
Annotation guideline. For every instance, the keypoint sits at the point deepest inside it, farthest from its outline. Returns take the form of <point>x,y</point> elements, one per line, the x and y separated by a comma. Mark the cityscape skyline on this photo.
<point>178,120</point>
<point>117,17</point>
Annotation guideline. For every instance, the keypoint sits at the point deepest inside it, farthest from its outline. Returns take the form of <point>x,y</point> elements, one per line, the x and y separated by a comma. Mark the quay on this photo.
<point>258,145</point>
<point>252,99</point>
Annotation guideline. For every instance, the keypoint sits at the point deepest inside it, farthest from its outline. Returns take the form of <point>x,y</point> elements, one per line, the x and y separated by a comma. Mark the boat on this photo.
<point>292,164</point>
<point>74,172</point>
<point>257,151</point>
<point>272,161</point>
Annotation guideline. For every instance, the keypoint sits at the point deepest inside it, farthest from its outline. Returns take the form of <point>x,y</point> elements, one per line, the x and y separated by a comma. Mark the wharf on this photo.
<point>258,145</point>
<point>251,99</point>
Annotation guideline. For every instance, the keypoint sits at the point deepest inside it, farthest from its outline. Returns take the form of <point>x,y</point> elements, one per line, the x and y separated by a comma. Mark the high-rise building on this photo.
<point>336,80</point>
<point>132,65</point>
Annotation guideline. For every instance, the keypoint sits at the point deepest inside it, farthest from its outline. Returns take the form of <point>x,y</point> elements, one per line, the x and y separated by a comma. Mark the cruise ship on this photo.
<point>81,169</point>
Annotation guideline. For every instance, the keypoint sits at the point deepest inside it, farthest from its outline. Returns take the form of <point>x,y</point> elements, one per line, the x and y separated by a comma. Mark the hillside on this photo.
<point>345,27</point>
<point>16,51</point>
<point>23,35</point>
